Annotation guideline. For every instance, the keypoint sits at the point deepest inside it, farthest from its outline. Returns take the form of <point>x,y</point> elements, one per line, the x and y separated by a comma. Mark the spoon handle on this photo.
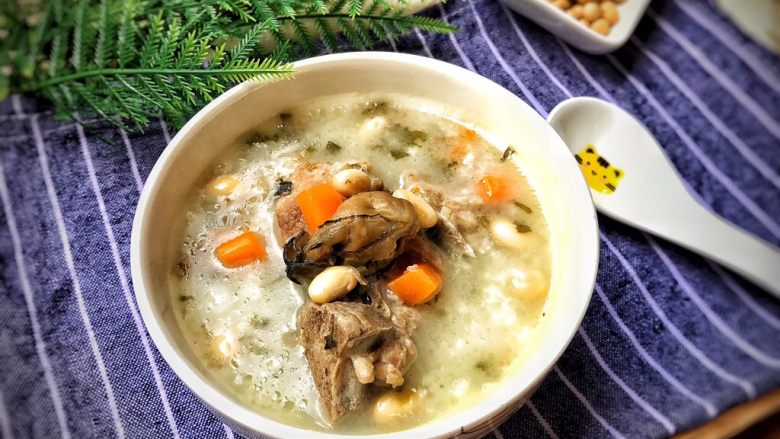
<point>704,232</point>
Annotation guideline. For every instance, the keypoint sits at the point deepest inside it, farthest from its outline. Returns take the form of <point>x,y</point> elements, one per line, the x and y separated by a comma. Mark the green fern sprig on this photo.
<point>378,22</point>
<point>169,76</point>
<point>128,61</point>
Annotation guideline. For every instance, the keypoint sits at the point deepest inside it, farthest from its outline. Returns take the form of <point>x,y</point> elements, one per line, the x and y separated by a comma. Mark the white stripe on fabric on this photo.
<point>532,52</point>
<point>166,134</point>
<point>16,104</point>
<point>587,405</point>
<point>52,193</point>
<point>456,11</point>
<point>51,130</point>
<point>495,431</point>
<point>139,183</point>
<point>743,98</point>
<point>454,41</point>
<point>745,297</point>
<point>713,318</point>
<point>391,41</point>
<point>599,88</point>
<point>424,42</point>
<point>748,387</point>
<point>727,183</point>
<point>5,420</point>
<point>722,128</point>
<point>228,432</point>
<point>646,406</point>
<point>543,422</point>
<point>708,406</point>
<point>123,280</point>
<point>24,115</point>
<point>502,62</point>
<point>724,36</point>
<point>40,345</point>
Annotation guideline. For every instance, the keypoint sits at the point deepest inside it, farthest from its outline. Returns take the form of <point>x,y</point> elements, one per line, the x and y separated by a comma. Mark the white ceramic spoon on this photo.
<point>650,196</point>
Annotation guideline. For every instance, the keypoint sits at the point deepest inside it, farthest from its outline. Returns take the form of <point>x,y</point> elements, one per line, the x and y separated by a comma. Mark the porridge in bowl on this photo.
<point>361,265</point>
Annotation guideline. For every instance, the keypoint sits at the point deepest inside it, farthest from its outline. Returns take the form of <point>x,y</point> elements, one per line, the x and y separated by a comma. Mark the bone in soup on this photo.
<point>362,265</point>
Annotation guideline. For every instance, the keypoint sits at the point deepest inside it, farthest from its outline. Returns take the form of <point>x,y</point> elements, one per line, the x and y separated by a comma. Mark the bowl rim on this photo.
<point>230,410</point>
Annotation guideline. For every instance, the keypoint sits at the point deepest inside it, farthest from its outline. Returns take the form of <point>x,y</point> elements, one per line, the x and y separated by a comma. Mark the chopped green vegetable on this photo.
<point>488,367</point>
<point>251,343</point>
<point>508,152</point>
<point>258,322</point>
<point>183,269</point>
<point>409,136</point>
<point>259,138</point>
<point>521,228</point>
<point>333,147</point>
<point>523,207</point>
<point>398,154</point>
<point>375,107</point>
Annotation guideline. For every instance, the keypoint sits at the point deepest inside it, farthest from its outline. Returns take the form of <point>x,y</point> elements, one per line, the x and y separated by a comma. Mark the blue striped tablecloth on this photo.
<point>670,339</point>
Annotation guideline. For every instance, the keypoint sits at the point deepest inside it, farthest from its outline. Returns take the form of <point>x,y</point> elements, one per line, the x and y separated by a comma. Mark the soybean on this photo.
<point>591,11</point>
<point>600,26</point>
<point>598,15</point>
<point>222,185</point>
<point>506,234</point>
<point>393,406</point>
<point>425,212</point>
<point>528,285</point>
<point>349,182</point>
<point>333,283</point>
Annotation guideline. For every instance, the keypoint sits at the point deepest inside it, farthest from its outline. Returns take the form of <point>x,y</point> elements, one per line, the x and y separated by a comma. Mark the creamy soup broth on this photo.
<point>241,322</point>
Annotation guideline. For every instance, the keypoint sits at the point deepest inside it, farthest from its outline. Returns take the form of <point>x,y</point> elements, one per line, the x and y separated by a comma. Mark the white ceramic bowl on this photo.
<point>570,30</point>
<point>553,173</point>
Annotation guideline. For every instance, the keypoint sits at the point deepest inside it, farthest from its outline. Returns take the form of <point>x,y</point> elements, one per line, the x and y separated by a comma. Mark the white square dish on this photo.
<point>573,32</point>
